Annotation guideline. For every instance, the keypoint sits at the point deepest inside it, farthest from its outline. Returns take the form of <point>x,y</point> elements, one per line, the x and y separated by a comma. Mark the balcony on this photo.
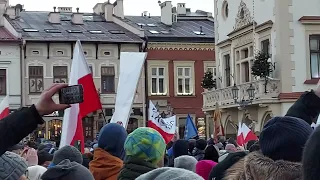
<point>225,99</point>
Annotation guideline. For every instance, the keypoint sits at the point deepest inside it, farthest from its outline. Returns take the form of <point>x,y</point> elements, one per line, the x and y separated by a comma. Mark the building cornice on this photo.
<point>224,43</point>
<point>181,46</point>
<point>264,26</point>
<point>310,20</point>
<point>241,31</point>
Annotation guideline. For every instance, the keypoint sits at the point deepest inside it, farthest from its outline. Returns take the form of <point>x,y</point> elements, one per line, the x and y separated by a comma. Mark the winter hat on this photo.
<point>67,152</point>
<point>211,153</point>
<point>44,156</point>
<point>201,144</point>
<point>145,144</point>
<point>111,138</point>
<point>12,166</point>
<point>32,157</point>
<point>19,146</point>
<point>203,168</point>
<point>168,173</point>
<point>35,172</point>
<point>67,170</point>
<point>284,138</point>
<point>180,148</point>
<point>186,162</point>
<point>192,144</point>
<point>231,148</point>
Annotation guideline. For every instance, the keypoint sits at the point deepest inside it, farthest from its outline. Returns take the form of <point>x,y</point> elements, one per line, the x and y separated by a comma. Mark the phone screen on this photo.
<point>71,95</point>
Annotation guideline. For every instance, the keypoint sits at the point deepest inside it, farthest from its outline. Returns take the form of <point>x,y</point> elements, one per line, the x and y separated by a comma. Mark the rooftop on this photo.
<point>6,36</point>
<point>34,26</point>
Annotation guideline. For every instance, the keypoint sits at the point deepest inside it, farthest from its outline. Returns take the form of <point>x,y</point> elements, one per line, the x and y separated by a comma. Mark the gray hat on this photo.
<point>67,152</point>
<point>12,166</point>
<point>67,170</point>
<point>186,162</point>
<point>168,173</point>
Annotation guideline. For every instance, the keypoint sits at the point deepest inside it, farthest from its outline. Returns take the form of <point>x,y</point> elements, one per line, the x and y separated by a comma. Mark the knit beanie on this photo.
<point>201,144</point>
<point>168,173</point>
<point>180,148</point>
<point>67,152</point>
<point>203,168</point>
<point>211,153</point>
<point>145,144</point>
<point>186,162</point>
<point>44,156</point>
<point>284,138</point>
<point>12,166</point>
<point>35,172</point>
<point>192,144</point>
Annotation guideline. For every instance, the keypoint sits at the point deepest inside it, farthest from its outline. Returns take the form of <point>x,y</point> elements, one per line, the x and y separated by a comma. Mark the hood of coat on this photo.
<point>257,166</point>
<point>104,165</point>
<point>134,167</point>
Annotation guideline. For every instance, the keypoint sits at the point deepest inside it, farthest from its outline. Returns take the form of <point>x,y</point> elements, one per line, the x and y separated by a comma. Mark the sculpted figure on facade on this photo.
<point>243,18</point>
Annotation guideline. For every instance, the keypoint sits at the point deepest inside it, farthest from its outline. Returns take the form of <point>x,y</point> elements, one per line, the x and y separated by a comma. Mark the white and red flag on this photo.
<point>4,108</point>
<point>240,138</point>
<point>165,126</point>
<point>72,130</point>
<point>248,135</point>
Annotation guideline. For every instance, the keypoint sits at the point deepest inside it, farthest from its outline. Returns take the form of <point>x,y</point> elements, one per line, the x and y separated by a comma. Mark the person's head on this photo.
<point>211,153</point>
<point>44,158</point>
<point>35,172</point>
<point>67,170</point>
<point>111,138</point>
<point>201,144</point>
<point>186,162</point>
<point>67,152</point>
<point>168,173</point>
<point>12,167</point>
<point>203,168</point>
<point>284,138</point>
<point>192,144</point>
<point>180,148</point>
<point>145,144</point>
<point>18,148</point>
<point>230,148</point>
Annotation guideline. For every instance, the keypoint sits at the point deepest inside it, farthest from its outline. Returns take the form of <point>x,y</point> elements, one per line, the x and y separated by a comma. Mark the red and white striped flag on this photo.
<point>4,108</point>
<point>72,130</point>
<point>248,135</point>
<point>165,126</point>
<point>240,138</point>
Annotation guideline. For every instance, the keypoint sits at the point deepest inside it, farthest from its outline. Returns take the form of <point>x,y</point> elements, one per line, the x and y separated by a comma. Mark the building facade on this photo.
<point>289,31</point>
<point>180,49</point>
<point>48,42</point>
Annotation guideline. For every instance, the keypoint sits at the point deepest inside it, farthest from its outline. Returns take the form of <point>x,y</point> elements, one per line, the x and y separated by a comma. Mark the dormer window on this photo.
<point>141,24</point>
<point>153,32</point>
<point>52,30</point>
<point>151,25</point>
<point>74,31</point>
<point>116,32</point>
<point>30,30</point>
<point>199,33</point>
<point>96,32</point>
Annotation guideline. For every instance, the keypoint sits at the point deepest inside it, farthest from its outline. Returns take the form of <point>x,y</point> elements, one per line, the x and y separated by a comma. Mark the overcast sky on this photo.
<point>131,7</point>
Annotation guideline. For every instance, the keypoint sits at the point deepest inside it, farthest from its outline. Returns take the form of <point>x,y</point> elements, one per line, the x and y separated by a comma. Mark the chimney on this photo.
<point>98,8</point>
<point>14,11</point>
<point>181,9</point>
<point>118,9</point>
<point>54,17</point>
<point>166,12</point>
<point>108,11</point>
<point>77,18</point>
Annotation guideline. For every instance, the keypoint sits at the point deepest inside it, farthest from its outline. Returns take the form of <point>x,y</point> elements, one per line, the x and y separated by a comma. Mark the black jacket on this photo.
<point>133,168</point>
<point>307,107</point>
<point>18,125</point>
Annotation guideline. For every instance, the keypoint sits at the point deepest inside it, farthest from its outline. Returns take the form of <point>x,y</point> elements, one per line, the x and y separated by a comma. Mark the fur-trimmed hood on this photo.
<point>255,166</point>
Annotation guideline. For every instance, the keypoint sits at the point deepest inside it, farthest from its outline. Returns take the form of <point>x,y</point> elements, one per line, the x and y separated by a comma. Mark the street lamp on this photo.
<point>243,103</point>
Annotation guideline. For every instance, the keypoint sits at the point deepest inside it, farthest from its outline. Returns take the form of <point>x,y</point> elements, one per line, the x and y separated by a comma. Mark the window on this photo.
<point>3,81</point>
<point>315,56</point>
<point>60,53</point>
<point>227,70</point>
<point>35,79</point>
<point>96,32</point>
<point>60,74</point>
<point>116,32</point>
<point>244,53</point>
<point>213,70</point>
<point>107,79</point>
<point>153,32</point>
<point>184,80</point>
<point>199,33</point>
<point>107,53</point>
<point>265,46</point>
<point>165,32</point>
<point>87,123</point>
<point>246,71</point>
<point>225,10</point>
<point>141,24</point>
<point>52,30</point>
<point>157,80</point>
<point>151,25</point>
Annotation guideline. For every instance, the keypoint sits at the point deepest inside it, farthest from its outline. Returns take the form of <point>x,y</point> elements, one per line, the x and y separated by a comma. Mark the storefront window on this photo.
<point>201,128</point>
<point>55,128</point>
<point>87,124</point>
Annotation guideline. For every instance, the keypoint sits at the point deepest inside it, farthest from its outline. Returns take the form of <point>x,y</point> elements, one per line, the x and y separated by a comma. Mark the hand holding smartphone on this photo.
<point>71,95</point>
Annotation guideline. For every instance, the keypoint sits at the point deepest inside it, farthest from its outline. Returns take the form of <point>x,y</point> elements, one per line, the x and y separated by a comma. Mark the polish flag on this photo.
<point>248,134</point>
<point>4,108</point>
<point>72,130</point>
<point>165,126</point>
<point>240,138</point>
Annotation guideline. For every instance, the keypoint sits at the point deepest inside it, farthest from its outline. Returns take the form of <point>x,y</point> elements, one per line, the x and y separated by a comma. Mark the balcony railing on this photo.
<point>225,99</point>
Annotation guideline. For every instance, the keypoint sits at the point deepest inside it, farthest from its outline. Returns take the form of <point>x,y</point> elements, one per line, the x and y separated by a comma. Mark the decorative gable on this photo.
<point>243,18</point>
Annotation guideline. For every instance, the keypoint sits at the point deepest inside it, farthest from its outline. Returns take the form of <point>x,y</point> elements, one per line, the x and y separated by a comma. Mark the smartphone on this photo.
<point>71,95</point>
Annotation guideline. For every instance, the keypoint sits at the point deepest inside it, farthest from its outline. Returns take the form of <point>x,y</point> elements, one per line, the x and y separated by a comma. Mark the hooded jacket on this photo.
<point>255,166</point>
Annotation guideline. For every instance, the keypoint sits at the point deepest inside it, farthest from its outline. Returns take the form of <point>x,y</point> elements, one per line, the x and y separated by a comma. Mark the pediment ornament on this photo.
<point>243,17</point>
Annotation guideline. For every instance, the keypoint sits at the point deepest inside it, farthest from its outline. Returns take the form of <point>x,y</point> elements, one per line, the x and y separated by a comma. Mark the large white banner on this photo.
<point>131,64</point>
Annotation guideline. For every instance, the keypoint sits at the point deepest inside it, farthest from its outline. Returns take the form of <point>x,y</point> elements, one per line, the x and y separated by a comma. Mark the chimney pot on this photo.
<point>77,10</point>
<point>54,9</point>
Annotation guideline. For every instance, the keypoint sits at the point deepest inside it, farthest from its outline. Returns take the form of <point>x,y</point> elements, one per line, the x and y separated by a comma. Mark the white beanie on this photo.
<point>35,172</point>
<point>168,173</point>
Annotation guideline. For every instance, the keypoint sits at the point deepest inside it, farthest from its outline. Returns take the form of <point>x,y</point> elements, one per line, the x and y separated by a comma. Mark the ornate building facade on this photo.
<point>289,31</point>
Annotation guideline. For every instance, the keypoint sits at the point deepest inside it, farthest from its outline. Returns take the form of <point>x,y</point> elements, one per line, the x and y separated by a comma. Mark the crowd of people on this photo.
<point>286,150</point>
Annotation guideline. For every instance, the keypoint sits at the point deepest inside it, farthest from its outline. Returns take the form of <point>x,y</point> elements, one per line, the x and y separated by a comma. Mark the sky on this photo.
<point>131,7</point>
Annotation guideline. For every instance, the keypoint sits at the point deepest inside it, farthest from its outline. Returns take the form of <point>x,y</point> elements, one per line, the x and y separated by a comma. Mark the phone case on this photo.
<point>71,95</point>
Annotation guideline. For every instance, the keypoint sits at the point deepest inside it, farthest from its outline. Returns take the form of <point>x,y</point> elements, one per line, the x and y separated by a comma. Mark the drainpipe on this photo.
<point>146,97</point>
<point>21,71</point>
